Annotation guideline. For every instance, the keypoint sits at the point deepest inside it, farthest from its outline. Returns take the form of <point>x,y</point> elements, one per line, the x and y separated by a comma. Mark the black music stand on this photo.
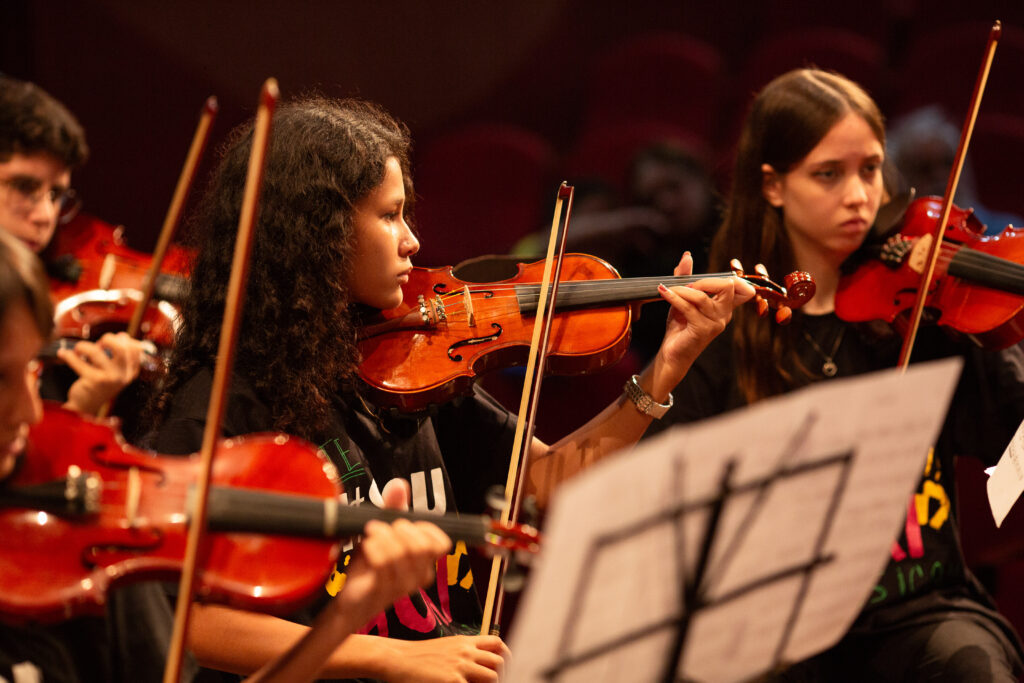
<point>755,557</point>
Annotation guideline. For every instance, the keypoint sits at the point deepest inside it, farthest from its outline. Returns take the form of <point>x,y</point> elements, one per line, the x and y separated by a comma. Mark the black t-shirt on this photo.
<point>473,433</point>
<point>926,579</point>
<point>128,645</point>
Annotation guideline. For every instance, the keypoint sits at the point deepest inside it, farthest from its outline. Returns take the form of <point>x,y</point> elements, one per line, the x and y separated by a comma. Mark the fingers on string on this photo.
<point>708,295</point>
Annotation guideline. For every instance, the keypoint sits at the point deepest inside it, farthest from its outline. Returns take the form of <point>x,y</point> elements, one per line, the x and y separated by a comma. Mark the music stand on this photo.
<point>721,551</point>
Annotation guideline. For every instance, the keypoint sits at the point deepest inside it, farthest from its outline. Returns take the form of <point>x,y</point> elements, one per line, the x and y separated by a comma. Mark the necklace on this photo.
<point>829,367</point>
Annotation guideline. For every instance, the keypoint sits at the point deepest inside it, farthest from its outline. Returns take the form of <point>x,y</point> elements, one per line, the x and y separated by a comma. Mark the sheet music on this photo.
<point>820,480</point>
<point>1006,482</point>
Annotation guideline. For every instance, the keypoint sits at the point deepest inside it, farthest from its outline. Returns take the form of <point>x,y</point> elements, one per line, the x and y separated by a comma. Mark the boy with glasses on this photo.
<point>41,143</point>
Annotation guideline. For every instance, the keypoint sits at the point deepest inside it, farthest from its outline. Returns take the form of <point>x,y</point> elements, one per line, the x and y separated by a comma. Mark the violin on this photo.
<point>978,287</point>
<point>447,331</point>
<point>88,254</point>
<point>96,282</point>
<point>83,511</point>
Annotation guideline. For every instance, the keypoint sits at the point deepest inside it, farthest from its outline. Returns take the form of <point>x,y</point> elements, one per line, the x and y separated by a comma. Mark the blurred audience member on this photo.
<point>669,208</point>
<point>922,145</point>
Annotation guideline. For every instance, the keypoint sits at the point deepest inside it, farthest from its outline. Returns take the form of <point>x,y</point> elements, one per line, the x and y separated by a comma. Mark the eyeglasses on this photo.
<point>25,192</point>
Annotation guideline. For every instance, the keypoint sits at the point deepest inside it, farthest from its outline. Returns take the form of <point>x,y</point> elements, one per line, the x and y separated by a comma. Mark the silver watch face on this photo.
<point>643,401</point>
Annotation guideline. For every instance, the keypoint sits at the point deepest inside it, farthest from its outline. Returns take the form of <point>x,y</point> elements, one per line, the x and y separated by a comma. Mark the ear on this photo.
<point>770,185</point>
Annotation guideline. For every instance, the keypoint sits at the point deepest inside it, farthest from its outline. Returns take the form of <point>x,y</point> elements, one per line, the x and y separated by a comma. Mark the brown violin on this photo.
<point>447,331</point>
<point>83,511</point>
<point>978,287</point>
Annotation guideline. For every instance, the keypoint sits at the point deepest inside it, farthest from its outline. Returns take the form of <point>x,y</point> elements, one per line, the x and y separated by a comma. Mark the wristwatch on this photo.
<point>643,401</point>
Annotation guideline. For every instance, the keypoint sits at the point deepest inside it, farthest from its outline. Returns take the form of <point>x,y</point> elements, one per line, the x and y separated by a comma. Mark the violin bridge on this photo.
<point>467,300</point>
<point>107,271</point>
<point>918,260</point>
<point>132,497</point>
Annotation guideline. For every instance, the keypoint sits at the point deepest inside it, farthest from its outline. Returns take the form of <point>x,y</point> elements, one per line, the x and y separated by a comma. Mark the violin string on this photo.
<point>609,283</point>
<point>162,515</point>
<point>983,268</point>
<point>599,285</point>
<point>1009,273</point>
<point>592,288</point>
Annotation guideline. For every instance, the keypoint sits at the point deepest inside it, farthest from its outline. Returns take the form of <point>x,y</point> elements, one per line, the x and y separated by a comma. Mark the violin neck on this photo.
<point>151,360</point>
<point>598,293</point>
<point>247,510</point>
<point>987,270</point>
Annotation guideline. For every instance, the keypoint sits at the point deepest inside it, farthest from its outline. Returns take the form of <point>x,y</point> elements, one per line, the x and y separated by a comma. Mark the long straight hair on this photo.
<point>787,120</point>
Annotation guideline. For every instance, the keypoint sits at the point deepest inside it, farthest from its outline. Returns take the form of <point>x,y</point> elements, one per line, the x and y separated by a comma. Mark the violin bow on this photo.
<point>947,199</point>
<point>221,376</point>
<point>536,360</point>
<point>172,219</point>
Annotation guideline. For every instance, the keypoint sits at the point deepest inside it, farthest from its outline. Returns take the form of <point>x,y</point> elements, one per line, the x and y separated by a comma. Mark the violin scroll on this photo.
<point>798,290</point>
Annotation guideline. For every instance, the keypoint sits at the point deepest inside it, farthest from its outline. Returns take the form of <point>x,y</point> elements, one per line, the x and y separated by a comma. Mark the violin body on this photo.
<point>96,283</point>
<point>56,565</point>
<point>447,331</point>
<point>83,512</point>
<point>93,313</point>
<point>453,340</point>
<point>977,289</point>
<point>88,254</point>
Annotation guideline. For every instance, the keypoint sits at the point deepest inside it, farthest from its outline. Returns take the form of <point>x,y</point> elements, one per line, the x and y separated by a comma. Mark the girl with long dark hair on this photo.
<point>805,193</point>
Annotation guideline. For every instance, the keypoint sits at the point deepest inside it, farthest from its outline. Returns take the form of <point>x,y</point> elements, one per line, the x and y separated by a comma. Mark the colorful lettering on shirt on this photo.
<point>453,569</point>
<point>928,508</point>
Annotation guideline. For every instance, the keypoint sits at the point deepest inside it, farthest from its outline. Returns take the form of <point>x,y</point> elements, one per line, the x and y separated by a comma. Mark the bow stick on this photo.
<point>535,363</point>
<point>947,199</point>
<point>221,376</point>
<point>172,219</point>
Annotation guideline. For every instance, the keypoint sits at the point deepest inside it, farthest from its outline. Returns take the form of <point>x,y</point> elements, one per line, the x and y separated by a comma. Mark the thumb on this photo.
<point>396,494</point>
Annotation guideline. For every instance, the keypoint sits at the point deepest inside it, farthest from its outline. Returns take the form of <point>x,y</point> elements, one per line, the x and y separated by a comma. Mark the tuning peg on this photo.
<point>736,266</point>
<point>761,270</point>
<point>783,315</point>
<point>762,306</point>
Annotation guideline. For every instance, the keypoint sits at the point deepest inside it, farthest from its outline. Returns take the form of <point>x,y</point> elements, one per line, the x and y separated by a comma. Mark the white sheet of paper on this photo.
<point>603,602</point>
<point>1006,481</point>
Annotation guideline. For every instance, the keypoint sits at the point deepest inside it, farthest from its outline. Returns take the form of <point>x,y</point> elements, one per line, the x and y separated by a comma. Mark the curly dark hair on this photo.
<point>297,339</point>
<point>33,122</point>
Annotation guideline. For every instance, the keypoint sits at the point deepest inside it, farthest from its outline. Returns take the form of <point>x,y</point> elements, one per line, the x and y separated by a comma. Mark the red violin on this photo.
<point>88,254</point>
<point>96,285</point>
<point>83,511</point>
<point>447,331</point>
<point>978,287</point>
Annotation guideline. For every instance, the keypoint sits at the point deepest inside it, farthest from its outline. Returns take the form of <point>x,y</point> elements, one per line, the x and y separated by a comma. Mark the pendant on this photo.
<point>829,369</point>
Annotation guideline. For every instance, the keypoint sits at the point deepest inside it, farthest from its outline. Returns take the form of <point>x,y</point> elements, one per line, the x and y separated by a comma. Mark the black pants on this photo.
<point>961,648</point>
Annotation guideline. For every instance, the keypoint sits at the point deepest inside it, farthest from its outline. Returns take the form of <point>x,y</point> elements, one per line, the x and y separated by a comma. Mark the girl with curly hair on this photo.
<point>394,560</point>
<point>333,242</point>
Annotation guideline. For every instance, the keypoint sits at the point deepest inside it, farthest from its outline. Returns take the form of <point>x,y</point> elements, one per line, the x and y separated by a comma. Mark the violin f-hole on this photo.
<point>452,350</point>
